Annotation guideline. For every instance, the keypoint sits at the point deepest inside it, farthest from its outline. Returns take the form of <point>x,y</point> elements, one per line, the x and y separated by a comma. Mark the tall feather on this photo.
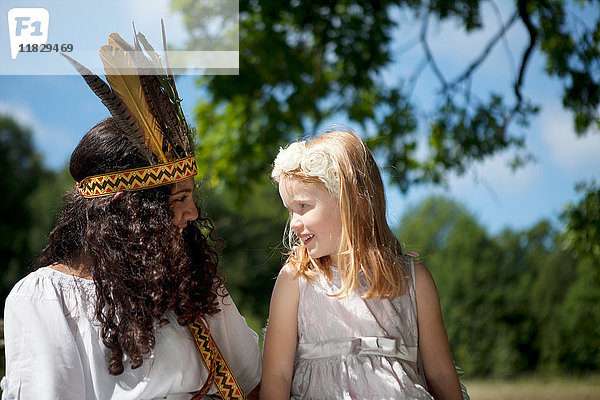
<point>168,83</point>
<point>165,115</point>
<point>164,40</point>
<point>117,109</point>
<point>119,59</point>
<point>165,105</point>
<point>142,96</point>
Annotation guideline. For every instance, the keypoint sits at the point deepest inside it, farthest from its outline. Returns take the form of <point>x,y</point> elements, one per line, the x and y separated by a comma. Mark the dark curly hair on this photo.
<point>140,263</point>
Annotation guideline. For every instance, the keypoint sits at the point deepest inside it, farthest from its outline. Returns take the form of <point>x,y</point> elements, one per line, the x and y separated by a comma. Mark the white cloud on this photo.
<point>52,143</point>
<point>564,147</point>
<point>21,114</point>
<point>495,176</point>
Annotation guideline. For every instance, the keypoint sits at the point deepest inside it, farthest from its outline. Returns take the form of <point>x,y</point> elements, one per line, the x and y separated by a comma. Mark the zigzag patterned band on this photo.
<point>219,372</point>
<point>138,179</point>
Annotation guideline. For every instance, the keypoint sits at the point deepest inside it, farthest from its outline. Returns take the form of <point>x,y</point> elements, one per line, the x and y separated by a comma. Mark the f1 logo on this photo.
<point>27,26</point>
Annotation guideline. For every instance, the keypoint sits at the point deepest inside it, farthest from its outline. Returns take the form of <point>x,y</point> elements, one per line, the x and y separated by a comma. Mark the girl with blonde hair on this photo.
<point>351,316</point>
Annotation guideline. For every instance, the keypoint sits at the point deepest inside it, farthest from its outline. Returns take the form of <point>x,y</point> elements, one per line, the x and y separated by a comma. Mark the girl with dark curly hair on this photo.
<point>105,314</point>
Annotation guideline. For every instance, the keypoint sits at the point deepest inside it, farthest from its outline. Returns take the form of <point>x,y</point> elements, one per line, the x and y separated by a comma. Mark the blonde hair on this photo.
<point>367,244</point>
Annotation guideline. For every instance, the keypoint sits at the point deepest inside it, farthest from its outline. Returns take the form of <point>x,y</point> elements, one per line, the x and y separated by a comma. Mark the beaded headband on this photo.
<point>142,98</point>
<point>314,161</point>
<point>138,179</point>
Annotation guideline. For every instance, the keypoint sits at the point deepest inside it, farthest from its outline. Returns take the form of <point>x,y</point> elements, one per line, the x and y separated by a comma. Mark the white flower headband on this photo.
<point>314,161</point>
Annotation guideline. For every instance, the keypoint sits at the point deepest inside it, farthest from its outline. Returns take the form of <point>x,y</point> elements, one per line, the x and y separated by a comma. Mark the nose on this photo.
<point>295,223</point>
<point>190,213</point>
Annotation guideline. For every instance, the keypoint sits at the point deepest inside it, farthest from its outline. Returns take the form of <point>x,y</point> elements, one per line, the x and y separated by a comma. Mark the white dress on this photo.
<point>354,348</point>
<point>54,350</point>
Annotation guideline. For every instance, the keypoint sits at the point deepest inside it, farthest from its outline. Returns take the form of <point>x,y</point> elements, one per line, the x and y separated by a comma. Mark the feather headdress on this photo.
<point>142,97</point>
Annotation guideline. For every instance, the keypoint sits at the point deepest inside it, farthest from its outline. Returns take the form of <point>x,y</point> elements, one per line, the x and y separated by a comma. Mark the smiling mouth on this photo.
<point>307,239</point>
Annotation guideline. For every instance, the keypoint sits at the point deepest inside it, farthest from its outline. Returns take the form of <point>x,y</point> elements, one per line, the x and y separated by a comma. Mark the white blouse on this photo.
<point>54,350</point>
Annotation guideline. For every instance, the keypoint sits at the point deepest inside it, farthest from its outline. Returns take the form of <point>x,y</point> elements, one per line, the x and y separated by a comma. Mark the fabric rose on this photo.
<point>314,161</point>
<point>288,159</point>
<point>317,162</point>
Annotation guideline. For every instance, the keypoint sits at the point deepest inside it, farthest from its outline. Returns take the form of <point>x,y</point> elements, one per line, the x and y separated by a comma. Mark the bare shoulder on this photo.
<point>287,271</point>
<point>284,301</point>
<point>424,283</point>
<point>286,285</point>
<point>287,276</point>
<point>422,272</point>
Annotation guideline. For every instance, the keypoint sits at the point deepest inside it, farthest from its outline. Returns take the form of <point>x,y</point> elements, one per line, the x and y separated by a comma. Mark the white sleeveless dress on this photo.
<point>354,348</point>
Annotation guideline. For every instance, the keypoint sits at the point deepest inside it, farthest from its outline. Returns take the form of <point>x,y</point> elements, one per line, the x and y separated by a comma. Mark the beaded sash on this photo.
<point>219,372</point>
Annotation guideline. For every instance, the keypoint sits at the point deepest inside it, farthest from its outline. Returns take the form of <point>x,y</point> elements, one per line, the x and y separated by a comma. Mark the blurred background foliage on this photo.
<point>516,301</point>
<point>513,302</point>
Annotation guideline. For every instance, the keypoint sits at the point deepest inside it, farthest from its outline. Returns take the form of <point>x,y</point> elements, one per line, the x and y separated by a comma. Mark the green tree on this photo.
<point>21,172</point>
<point>541,292</point>
<point>501,294</point>
<point>463,261</point>
<point>581,310</point>
<point>305,63</point>
<point>29,205</point>
<point>252,230</point>
<point>583,223</point>
<point>44,203</point>
<point>540,271</point>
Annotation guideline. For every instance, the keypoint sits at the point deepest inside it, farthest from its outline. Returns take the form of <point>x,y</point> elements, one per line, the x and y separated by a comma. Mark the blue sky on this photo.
<point>496,195</point>
<point>60,109</point>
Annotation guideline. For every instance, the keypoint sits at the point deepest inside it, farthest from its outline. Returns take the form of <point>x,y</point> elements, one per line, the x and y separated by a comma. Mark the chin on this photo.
<point>313,254</point>
<point>316,255</point>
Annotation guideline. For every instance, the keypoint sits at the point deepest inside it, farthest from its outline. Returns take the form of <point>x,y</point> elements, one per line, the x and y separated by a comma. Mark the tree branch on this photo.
<point>505,40</point>
<point>412,81</point>
<point>429,54</point>
<point>475,64</point>
<point>525,17</point>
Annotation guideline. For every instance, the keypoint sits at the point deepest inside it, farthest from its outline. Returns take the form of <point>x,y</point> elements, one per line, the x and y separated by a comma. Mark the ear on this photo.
<point>118,195</point>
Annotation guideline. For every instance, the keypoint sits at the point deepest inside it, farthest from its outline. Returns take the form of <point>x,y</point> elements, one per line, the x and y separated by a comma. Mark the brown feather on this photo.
<point>117,109</point>
<point>142,96</point>
<point>163,109</point>
<point>118,61</point>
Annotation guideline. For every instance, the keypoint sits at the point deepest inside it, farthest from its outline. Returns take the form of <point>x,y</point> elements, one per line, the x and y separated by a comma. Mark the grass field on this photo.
<point>522,389</point>
<point>535,389</point>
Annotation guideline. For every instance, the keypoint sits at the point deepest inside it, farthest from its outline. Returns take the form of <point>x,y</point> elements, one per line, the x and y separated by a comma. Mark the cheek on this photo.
<point>176,210</point>
<point>330,223</point>
<point>335,216</point>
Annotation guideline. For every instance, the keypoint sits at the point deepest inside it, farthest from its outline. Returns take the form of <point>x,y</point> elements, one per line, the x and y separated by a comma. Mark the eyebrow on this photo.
<point>301,200</point>
<point>182,191</point>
